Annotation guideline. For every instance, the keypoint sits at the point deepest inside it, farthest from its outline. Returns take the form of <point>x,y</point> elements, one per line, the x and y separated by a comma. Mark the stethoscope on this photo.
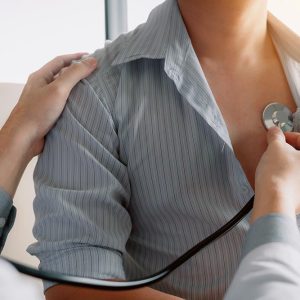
<point>274,114</point>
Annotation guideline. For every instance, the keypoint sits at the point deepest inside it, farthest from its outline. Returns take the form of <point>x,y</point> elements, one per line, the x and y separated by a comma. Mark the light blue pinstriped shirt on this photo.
<point>140,167</point>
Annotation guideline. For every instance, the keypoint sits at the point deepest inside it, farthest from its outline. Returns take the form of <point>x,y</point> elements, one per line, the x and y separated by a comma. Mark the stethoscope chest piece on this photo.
<point>276,114</point>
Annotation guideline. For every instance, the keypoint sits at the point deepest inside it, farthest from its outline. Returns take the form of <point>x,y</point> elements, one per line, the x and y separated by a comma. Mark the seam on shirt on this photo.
<point>80,247</point>
<point>98,98</point>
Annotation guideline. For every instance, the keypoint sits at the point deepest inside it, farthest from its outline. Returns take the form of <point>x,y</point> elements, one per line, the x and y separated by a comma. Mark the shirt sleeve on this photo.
<point>271,266</point>
<point>82,193</point>
<point>7,217</point>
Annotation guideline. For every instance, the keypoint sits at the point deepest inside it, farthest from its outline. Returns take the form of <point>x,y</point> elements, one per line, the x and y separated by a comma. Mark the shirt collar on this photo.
<point>164,36</point>
<point>163,32</point>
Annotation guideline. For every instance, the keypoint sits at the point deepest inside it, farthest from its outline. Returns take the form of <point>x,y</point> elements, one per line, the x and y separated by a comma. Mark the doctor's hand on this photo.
<point>40,105</point>
<point>44,97</point>
<point>277,178</point>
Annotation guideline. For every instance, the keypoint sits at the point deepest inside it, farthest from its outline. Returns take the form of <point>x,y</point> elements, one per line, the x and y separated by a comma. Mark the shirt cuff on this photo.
<point>88,262</point>
<point>272,228</point>
<point>7,216</point>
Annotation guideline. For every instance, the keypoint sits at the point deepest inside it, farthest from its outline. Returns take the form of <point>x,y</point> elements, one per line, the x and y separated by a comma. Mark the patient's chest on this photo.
<point>178,165</point>
<point>174,153</point>
<point>185,182</point>
<point>248,134</point>
<point>242,103</point>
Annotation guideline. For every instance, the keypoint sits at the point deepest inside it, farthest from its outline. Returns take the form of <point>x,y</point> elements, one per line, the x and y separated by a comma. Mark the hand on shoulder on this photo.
<point>43,99</point>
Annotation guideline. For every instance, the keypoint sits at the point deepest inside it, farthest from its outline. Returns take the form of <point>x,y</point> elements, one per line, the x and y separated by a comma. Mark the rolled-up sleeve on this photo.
<point>82,192</point>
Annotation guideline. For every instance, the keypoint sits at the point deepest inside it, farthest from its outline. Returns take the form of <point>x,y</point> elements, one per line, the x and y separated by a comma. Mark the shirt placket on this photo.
<point>193,87</point>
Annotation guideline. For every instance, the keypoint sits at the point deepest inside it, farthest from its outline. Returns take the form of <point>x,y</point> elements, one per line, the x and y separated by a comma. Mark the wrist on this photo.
<point>273,201</point>
<point>15,141</point>
<point>15,154</point>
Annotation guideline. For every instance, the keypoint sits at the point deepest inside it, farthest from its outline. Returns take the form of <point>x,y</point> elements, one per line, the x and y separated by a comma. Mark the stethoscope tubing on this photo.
<point>138,283</point>
<point>274,114</point>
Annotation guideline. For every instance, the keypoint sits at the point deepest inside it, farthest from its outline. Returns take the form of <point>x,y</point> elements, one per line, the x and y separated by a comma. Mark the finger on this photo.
<point>59,73</point>
<point>74,73</point>
<point>49,70</point>
<point>293,138</point>
<point>275,134</point>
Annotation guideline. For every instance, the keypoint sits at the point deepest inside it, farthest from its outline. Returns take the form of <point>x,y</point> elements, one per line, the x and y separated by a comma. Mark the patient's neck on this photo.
<point>227,30</point>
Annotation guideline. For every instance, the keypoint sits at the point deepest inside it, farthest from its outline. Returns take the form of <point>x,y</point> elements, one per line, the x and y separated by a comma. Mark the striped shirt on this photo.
<point>140,167</point>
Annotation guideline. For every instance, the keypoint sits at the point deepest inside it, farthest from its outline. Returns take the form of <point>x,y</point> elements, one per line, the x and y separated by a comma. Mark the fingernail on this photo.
<point>90,61</point>
<point>275,130</point>
<point>84,56</point>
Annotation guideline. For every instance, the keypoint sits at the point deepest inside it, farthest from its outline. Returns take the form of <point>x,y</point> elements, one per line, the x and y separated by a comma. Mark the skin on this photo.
<point>233,45</point>
<point>224,39</point>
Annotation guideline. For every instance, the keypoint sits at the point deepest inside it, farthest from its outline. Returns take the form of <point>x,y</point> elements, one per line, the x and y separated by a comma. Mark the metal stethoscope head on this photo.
<point>276,114</point>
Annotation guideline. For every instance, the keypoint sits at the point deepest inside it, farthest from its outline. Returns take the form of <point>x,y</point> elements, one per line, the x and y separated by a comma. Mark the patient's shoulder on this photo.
<point>105,79</point>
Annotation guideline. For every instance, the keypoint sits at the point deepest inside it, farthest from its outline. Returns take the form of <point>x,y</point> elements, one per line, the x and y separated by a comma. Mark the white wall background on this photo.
<point>286,10</point>
<point>138,11</point>
<point>34,31</point>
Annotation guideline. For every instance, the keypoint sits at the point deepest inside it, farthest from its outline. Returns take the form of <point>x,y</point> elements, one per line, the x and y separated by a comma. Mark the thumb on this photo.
<point>275,134</point>
<point>75,72</point>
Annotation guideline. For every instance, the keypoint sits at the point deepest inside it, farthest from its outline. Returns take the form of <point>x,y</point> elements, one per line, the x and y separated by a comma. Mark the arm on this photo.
<point>62,292</point>
<point>270,268</point>
<point>83,192</point>
<point>22,136</point>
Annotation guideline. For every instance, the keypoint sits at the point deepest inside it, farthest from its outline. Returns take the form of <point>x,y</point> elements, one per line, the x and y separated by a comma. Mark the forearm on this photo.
<point>62,292</point>
<point>14,155</point>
